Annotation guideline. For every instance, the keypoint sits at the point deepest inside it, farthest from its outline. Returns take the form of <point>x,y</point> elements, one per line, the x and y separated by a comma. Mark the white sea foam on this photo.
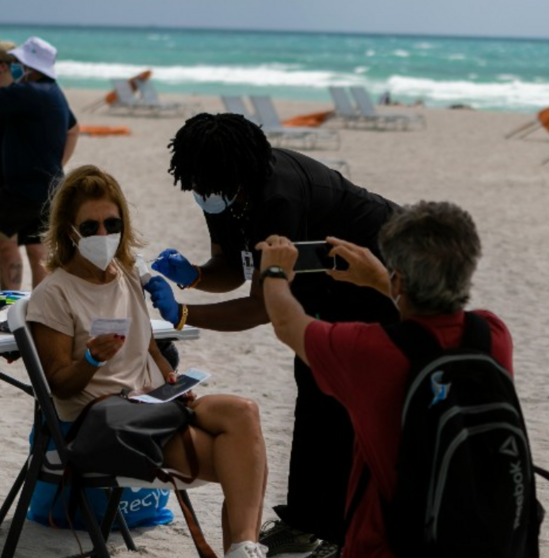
<point>263,75</point>
<point>481,95</point>
<point>507,77</point>
<point>507,92</point>
<point>401,53</point>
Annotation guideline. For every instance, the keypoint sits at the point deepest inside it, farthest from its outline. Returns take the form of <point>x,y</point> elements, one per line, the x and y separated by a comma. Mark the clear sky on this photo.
<point>504,18</point>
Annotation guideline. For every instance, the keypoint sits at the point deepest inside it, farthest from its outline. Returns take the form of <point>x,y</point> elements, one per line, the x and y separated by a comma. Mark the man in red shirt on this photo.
<point>431,251</point>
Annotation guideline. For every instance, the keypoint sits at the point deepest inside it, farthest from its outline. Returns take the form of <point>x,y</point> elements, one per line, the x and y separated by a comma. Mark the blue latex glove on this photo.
<point>163,299</point>
<point>175,267</point>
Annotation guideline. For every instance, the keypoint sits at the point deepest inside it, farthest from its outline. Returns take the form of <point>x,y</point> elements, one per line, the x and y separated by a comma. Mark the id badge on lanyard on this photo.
<point>247,264</point>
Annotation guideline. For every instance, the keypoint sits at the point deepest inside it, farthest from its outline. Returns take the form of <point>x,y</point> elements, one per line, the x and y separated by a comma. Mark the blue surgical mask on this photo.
<point>214,203</point>
<point>16,71</point>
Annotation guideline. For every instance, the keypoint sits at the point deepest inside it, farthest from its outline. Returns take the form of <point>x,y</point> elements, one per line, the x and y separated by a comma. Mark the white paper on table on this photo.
<point>120,326</point>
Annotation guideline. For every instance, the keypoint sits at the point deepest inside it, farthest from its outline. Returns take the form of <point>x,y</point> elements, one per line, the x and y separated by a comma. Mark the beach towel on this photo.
<point>313,119</point>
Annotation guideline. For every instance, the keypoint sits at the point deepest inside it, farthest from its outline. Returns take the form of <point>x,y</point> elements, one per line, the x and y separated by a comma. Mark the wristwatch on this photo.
<point>274,271</point>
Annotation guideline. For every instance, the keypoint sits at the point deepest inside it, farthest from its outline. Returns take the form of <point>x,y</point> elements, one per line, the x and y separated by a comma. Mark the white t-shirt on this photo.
<point>69,304</point>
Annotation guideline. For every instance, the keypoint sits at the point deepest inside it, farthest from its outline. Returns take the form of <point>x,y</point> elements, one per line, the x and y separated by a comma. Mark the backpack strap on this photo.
<point>477,333</point>
<point>414,340</point>
<point>417,342</point>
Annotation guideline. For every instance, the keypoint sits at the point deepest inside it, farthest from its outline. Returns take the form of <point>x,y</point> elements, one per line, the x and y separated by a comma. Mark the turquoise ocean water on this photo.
<point>487,74</point>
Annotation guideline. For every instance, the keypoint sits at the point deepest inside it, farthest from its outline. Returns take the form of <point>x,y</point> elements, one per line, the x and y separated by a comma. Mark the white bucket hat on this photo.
<point>38,55</point>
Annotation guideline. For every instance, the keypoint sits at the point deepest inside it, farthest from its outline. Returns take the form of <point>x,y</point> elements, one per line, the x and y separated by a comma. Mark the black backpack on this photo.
<point>465,478</point>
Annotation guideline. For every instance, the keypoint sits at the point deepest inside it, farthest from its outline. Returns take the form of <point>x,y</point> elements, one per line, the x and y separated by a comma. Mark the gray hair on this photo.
<point>435,247</point>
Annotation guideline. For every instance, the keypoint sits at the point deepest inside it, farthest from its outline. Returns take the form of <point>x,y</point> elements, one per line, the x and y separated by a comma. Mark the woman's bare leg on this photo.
<point>231,451</point>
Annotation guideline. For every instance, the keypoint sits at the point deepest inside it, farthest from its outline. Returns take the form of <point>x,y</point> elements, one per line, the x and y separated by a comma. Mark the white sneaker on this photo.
<point>248,549</point>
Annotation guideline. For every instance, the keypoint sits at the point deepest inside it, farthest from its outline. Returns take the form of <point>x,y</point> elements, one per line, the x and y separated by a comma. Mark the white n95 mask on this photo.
<point>99,249</point>
<point>214,203</point>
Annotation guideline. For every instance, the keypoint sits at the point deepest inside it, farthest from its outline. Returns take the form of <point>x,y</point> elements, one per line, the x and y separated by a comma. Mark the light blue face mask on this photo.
<point>16,71</point>
<point>214,203</point>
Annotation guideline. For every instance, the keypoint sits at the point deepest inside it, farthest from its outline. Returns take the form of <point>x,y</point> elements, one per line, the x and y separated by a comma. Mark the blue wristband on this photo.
<point>92,361</point>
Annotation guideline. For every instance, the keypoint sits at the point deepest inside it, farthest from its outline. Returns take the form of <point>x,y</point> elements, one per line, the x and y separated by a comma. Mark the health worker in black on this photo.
<point>248,191</point>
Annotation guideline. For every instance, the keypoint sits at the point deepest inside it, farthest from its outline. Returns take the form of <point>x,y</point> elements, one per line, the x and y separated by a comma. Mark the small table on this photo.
<point>161,330</point>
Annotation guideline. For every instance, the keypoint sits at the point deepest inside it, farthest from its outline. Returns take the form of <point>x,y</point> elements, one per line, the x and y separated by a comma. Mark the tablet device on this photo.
<point>167,392</point>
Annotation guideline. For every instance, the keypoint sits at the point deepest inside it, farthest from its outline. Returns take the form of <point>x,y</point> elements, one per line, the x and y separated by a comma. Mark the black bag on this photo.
<point>116,436</point>
<point>119,437</point>
<point>465,479</point>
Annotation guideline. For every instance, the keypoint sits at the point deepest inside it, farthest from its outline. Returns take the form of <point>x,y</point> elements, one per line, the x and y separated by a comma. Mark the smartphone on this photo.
<point>313,256</point>
<point>167,392</point>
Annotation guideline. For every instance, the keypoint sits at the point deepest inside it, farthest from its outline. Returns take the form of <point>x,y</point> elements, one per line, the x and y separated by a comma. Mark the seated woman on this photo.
<point>90,242</point>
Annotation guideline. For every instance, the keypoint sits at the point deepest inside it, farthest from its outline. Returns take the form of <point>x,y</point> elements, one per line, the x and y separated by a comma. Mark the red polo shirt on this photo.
<point>358,365</point>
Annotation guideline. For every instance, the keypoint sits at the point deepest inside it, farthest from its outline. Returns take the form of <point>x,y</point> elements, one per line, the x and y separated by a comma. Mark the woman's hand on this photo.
<point>104,347</point>
<point>189,397</point>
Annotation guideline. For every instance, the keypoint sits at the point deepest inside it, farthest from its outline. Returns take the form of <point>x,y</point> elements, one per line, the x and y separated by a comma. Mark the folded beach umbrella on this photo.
<point>541,121</point>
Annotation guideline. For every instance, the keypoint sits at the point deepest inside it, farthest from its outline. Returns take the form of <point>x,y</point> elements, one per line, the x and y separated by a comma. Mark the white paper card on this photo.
<point>100,326</point>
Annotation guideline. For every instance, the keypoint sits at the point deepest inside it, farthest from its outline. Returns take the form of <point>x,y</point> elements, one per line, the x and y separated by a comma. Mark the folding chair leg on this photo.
<point>39,450</point>
<point>100,549</point>
<point>112,512</point>
<point>13,492</point>
<point>124,531</point>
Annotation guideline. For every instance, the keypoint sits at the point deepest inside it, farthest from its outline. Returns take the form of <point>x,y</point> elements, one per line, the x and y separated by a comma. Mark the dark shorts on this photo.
<point>22,217</point>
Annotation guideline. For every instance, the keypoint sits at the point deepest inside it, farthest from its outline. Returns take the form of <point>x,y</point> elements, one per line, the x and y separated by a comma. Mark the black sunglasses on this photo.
<point>112,225</point>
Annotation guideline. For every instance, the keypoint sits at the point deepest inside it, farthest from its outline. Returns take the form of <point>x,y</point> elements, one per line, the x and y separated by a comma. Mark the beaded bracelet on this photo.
<point>92,361</point>
<point>184,312</point>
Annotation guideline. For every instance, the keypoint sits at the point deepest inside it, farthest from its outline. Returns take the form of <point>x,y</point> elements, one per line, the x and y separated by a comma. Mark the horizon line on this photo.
<point>275,31</point>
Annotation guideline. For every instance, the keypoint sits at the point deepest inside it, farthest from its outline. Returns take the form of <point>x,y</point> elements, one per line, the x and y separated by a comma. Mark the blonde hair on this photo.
<point>5,46</point>
<point>84,183</point>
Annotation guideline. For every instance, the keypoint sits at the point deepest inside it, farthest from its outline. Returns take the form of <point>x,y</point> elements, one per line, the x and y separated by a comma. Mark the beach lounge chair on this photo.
<point>304,137</point>
<point>236,105</point>
<point>149,98</point>
<point>49,466</point>
<point>347,112</point>
<point>367,109</point>
<point>125,96</point>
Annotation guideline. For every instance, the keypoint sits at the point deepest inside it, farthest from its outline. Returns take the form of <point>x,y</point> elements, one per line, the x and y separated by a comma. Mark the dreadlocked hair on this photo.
<point>219,153</point>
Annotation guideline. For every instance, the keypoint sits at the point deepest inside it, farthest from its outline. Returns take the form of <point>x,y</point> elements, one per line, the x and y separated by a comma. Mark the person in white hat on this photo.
<point>40,136</point>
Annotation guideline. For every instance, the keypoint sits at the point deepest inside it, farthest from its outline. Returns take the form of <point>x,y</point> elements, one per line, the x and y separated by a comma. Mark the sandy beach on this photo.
<point>460,156</point>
